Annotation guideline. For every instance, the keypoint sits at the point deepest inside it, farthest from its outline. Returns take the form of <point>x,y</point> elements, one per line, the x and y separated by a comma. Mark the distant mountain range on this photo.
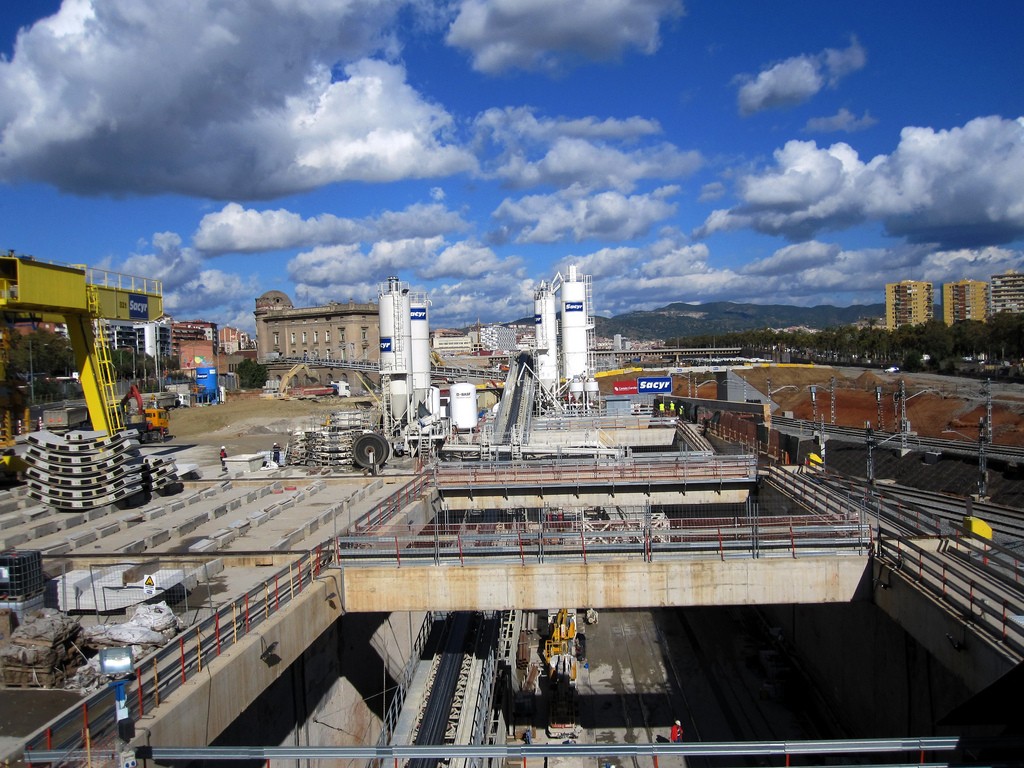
<point>684,320</point>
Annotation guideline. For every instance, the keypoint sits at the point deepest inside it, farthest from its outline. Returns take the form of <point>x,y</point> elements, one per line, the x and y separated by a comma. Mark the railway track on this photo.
<point>959,447</point>
<point>937,511</point>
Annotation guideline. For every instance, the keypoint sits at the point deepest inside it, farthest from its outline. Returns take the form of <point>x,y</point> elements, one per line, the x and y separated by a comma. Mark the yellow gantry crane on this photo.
<point>83,299</point>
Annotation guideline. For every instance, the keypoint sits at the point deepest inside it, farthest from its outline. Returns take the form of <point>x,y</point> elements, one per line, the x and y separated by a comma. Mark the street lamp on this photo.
<point>869,438</point>
<point>698,386</point>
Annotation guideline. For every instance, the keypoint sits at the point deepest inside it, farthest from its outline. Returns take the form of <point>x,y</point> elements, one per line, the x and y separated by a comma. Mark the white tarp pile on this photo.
<point>148,629</point>
<point>42,651</point>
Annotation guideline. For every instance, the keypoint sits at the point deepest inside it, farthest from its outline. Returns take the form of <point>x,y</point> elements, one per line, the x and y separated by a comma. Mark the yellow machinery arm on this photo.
<point>81,298</point>
<point>286,380</point>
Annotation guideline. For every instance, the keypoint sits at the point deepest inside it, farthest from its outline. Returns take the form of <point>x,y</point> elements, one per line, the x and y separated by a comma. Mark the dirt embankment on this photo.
<point>936,406</point>
<point>246,426</point>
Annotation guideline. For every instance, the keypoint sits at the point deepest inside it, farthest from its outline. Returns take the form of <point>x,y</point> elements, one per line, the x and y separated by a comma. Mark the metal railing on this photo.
<point>929,751</point>
<point>92,723</point>
<point>972,595</point>
<point>545,541</point>
<point>681,469</point>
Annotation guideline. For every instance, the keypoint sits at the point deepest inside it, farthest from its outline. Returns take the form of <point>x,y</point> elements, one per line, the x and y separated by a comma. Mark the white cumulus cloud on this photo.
<point>548,35</point>
<point>245,101</point>
<point>236,229</point>
<point>570,214</point>
<point>797,79</point>
<point>961,187</point>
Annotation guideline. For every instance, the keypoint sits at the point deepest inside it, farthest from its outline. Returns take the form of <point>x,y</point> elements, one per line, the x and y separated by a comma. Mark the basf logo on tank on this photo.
<point>138,307</point>
<point>385,344</point>
<point>574,306</point>
<point>652,385</point>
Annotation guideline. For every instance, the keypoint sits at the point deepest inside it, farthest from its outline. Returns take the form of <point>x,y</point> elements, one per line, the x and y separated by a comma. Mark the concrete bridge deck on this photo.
<point>222,663</point>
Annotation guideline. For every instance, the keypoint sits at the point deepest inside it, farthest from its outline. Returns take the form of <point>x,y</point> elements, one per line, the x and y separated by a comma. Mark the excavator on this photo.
<point>560,652</point>
<point>151,423</point>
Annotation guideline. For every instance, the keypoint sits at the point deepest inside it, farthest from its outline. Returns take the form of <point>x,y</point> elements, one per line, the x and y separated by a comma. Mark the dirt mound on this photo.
<point>935,408</point>
<point>259,420</point>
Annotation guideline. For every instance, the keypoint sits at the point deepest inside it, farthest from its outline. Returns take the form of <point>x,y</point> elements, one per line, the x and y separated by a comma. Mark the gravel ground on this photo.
<point>250,426</point>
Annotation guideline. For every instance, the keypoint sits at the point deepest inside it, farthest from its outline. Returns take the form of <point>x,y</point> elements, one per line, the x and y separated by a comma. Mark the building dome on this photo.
<point>273,300</point>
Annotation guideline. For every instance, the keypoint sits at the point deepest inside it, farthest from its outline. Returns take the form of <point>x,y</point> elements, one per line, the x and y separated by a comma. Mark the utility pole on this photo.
<point>832,397</point>
<point>870,440</point>
<point>901,398</point>
<point>986,389</point>
<point>982,461</point>
<point>878,402</point>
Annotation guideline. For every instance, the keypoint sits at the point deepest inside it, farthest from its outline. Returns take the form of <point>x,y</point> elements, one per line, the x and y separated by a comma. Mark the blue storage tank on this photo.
<point>206,384</point>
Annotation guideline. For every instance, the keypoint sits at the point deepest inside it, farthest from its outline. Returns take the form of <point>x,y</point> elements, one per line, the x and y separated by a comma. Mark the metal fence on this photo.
<point>92,725</point>
<point>970,578</point>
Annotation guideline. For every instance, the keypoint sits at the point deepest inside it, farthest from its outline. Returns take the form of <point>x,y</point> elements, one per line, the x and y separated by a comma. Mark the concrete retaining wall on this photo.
<point>619,584</point>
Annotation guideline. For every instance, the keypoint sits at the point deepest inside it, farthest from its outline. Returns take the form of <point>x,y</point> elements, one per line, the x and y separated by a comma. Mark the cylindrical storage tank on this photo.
<point>546,335</point>
<point>393,310</point>
<point>207,385</point>
<point>419,350</point>
<point>463,406</point>
<point>574,326</point>
<point>591,388</point>
<point>434,401</point>
<point>576,389</point>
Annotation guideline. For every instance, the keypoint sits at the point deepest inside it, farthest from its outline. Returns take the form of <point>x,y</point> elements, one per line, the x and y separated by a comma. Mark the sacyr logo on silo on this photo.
<point>538,319</point>
<point>385,344</point>
<point>574,306</point>
<point>653,384</point>
<point>138,307</point>
<point>418,313</point>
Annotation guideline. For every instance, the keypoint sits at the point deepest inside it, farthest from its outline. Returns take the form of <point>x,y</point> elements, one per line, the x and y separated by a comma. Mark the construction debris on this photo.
<point>149,628</point>
<point>42,652</point>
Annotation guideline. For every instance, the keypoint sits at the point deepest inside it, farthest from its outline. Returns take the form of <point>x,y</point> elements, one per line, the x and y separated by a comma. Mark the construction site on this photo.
<point>542,566</point>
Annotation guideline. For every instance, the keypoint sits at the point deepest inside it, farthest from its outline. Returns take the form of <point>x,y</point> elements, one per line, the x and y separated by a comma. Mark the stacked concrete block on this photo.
<point>89,470</point>
<point>329,444</point>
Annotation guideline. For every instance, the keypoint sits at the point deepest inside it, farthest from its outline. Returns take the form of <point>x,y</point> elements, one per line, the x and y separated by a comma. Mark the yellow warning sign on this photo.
<point>148,582</point>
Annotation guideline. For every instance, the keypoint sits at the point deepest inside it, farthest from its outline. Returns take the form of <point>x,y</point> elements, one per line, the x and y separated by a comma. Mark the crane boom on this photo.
<point>81,298</point>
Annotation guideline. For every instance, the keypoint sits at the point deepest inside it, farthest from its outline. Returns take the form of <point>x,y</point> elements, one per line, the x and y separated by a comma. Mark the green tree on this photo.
<point>251,375</point>
<point>40,352</point>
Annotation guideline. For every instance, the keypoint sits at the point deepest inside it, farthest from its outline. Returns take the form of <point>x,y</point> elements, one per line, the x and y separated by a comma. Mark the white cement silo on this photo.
<point>419,351</point>
<point>546,335</point>
<point>395,338</point>
<point>575,313</point>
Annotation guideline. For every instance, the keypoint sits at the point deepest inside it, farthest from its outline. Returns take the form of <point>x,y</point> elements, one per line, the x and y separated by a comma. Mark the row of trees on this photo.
<point>43,360</point>
<point>933,344</point>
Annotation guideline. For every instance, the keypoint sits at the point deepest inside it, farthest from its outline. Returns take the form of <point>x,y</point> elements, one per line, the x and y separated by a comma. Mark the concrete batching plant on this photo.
<point>557,378</point>
<point>563,357</point>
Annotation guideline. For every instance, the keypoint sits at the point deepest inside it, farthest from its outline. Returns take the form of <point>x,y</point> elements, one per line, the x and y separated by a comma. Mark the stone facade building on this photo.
<point>332,332</point>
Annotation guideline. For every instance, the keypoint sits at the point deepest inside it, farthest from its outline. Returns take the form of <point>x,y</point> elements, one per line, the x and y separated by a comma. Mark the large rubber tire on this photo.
<point>371,450</point>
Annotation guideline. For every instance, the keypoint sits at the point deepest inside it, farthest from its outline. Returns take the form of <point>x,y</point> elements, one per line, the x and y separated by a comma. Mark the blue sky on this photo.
<point>785,152</point>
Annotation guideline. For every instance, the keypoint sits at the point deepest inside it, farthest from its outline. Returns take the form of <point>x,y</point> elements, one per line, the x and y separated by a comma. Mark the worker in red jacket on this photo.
<point>677,732</point>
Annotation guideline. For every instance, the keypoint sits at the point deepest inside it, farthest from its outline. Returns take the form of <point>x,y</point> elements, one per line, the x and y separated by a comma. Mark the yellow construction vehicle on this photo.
<point>151,423</point>
<point>562,637</point>
<point>560,657</point>
<point>82,298</point>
